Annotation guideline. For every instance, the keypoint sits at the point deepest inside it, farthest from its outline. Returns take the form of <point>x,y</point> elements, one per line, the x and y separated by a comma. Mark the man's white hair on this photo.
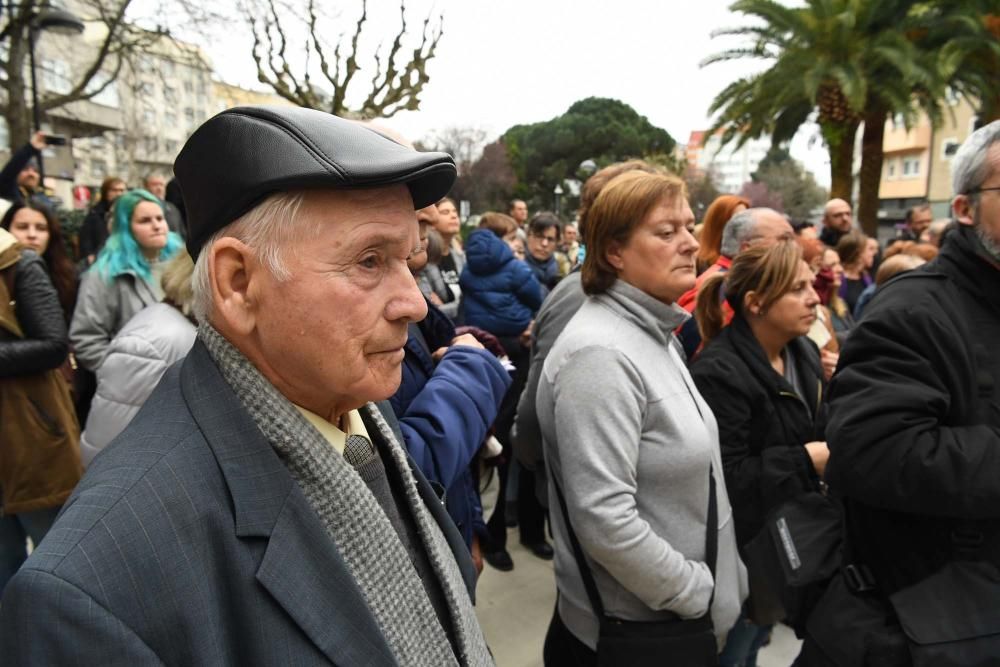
<point>266,228</point>
<point>969,168</point>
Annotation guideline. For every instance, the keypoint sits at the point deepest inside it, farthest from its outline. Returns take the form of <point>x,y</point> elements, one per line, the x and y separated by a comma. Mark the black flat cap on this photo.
<point>241,156</point>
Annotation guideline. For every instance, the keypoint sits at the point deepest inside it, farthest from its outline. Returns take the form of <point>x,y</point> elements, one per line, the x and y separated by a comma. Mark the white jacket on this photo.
<point>137,358</point>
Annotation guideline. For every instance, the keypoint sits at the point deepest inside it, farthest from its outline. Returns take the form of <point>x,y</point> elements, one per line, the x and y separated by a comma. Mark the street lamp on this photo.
<point>557,191</point>
<point>56,21</point>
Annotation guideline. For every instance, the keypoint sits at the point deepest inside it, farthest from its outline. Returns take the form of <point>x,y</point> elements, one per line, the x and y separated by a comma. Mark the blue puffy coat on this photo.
<point>500,292</point>
<point>445,411</point>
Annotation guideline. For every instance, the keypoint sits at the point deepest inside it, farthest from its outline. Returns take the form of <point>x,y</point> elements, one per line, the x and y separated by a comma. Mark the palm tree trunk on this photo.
<point>871,170</point>
<point>839,139</point>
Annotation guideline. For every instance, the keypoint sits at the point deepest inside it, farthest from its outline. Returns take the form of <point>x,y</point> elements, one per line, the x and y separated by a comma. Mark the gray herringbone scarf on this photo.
<point>358,526</point>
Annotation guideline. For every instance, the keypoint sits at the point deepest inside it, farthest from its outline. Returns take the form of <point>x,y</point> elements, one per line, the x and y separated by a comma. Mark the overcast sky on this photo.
<point>522,61</point>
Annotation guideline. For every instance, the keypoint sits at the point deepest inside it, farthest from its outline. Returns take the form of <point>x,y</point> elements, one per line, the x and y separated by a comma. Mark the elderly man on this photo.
<point>260,509</point>
<point>836,221</point>
<point>914,437</point>
<point>754,226</point>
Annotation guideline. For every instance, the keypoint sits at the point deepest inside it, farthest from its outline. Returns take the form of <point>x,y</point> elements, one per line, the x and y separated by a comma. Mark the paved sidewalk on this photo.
<point>515,607</point>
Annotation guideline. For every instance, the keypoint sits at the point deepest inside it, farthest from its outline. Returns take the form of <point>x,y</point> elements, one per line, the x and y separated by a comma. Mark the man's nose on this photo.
<point>408,303</point>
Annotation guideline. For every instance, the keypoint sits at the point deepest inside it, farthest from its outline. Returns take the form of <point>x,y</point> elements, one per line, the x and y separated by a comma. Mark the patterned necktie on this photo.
<point>359,452</point>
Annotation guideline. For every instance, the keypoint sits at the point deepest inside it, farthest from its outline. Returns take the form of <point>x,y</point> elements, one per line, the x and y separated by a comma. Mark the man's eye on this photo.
<point>369,262</point>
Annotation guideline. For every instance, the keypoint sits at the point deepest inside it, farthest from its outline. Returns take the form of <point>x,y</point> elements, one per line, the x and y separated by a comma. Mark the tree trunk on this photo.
<point>840,142</point>
<point>16,111</point>
<point>871,170</point>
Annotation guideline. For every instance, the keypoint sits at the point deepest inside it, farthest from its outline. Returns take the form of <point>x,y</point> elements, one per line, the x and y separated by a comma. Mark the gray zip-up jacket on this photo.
<point>630,440</point>
<point>102,309</point>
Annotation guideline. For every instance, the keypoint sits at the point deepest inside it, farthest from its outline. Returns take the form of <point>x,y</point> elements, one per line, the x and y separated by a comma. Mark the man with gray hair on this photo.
<point>914,436</point>
<point>754,226</point>
<point>156,184</point>
<point>261,508</point>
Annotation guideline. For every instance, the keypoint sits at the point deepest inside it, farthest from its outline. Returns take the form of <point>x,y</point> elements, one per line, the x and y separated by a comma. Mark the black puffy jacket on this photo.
<point>763,422</point>
<point>914,427</point>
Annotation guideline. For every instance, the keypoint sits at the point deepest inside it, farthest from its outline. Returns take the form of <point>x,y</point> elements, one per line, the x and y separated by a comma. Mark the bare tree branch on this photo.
<point>398,77</point>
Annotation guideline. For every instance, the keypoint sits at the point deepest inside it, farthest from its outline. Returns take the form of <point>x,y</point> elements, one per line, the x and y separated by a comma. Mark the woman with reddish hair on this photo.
<point>718,214</point>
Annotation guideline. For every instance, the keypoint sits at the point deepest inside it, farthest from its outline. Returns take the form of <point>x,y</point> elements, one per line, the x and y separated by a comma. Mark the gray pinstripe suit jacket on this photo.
<point>188,543</point>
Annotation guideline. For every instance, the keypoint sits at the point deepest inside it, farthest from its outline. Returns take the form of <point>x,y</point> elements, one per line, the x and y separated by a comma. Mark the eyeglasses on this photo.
<point>975,191</point>
<point>544,239</point>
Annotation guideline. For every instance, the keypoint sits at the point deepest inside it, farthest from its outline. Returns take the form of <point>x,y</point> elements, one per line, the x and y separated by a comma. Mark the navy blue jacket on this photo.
<point>445,411</point>
<point>500,292</point>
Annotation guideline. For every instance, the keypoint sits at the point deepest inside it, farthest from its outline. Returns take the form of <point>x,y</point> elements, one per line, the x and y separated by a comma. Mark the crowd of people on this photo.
<point>256,424</point>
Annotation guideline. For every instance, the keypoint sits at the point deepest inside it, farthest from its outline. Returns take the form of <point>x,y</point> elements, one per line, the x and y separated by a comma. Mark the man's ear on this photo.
<point>962,208</point>
<point>232,268</point>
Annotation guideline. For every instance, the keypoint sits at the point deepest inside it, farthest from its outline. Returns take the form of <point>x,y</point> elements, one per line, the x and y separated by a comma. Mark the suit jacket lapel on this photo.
<point>429,497</point>
<point>301,568</point>
<point>305,573</point>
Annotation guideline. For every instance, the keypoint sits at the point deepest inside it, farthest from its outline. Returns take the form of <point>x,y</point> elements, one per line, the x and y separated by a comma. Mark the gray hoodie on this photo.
<point>630,440</point>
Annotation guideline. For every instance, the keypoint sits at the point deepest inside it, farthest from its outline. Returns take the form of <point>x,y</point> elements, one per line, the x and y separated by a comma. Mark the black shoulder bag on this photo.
<point>673,641</point>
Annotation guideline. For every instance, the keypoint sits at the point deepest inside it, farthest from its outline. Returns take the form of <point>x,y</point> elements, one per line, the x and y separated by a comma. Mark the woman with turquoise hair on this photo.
<point>125,278</point>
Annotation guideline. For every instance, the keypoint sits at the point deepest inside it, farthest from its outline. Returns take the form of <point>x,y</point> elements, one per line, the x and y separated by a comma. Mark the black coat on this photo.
<point>45,343</point>
<point>94,230</point>
<point>763,422</point>
<point>914,426</point>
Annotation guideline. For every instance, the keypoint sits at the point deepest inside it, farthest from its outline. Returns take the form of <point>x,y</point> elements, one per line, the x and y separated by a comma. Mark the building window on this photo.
<point>109,93</point>
<point>109,96</point>
<point>948,148</point>
<point>56,76</point>
<point>98,169</point>
<point>97,142</point>
<point>145,88</point>
<point>189,116</point>
<point>911,166</point>
<point>188,87</point>
<point>170,118</point>
<point>151,145</point>
<point>170,94</point>
<point>149,117</point>
<point>4,133</point>
<point>892,169</point>
<point>171,147</point>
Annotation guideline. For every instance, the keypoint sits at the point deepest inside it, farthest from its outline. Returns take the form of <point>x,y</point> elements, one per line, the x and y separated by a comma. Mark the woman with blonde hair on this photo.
<point>138,357</point>
<point>639,507</point>
<point>763,379</point>
<point>827,284</point>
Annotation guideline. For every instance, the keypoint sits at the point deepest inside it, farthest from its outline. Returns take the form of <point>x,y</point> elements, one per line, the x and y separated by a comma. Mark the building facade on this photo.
<point>916,166</point>
<point>731,167</point>
<point>138,122</point>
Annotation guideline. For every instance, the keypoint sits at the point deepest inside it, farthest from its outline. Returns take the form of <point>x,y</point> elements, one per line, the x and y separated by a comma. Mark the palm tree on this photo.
<point>847,60</point>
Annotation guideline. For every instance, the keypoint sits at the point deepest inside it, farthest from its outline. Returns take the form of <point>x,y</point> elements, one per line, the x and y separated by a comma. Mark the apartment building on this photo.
<point>138,123</point>
<point>731,167</point>
<point>917,162</point>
